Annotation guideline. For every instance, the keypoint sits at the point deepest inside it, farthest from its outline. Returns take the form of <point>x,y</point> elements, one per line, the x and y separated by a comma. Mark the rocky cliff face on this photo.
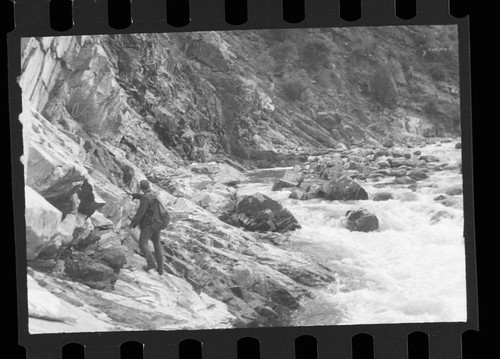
<point>189,112</point>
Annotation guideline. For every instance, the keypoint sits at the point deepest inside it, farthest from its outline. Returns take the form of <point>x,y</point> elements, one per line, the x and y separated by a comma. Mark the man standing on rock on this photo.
<point>150,227</point>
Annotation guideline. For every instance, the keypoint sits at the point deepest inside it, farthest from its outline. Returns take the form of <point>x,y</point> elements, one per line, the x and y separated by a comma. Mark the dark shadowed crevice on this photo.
<point>88,205</point>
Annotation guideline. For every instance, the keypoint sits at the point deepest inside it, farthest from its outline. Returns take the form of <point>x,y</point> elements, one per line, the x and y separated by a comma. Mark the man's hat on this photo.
<point>144,185</point>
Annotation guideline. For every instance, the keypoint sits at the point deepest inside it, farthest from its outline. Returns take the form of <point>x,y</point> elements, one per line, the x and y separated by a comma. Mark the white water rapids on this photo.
<point>411,270</point>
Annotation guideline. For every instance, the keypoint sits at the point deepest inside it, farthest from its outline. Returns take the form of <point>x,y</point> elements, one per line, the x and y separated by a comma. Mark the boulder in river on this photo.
<point>298,194</point>
<point>436,217</point>
<point>388,144</point>
<point>404,180</point>
<point>383,196</point>
<point>396,162</point>
<point>282,184</point>
<point>429,158</point>
<point>383,164</point>
<point>454,190</point>
<point>361,221</point>
<point>440,197</point>
<point>258,212</point>
<point>343,189</point>
<point>418,175</point>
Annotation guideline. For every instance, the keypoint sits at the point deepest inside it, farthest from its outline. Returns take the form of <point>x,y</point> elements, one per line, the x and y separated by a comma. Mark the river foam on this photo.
<point>411,270</point>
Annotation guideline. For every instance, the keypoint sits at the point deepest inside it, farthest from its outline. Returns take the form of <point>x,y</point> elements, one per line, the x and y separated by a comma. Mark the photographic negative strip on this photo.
<point>235,185</point>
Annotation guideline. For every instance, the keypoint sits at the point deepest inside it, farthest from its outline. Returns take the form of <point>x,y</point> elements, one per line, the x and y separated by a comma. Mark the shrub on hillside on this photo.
<point>384,87</point>
<point>284,51</point>
<point>83,109</point>
<point>265,63</point>
<point>294,85</point>
<point>315,54</point>
<point>437,72</point>
<point>431,108</point>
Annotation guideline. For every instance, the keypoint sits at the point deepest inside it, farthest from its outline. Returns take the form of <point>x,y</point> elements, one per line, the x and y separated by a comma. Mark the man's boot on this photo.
<point>148,267</point>
<point>160,270</point>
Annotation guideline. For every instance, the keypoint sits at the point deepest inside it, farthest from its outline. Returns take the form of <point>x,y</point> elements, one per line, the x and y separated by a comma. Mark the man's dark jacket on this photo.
<point>144,215</point>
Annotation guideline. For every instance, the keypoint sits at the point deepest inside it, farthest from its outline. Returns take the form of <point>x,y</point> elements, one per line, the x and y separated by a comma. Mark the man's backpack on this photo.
<point>161,215</point>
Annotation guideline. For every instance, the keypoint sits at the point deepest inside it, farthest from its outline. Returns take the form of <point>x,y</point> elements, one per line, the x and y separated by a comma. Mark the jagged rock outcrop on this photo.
<point>42,220</point>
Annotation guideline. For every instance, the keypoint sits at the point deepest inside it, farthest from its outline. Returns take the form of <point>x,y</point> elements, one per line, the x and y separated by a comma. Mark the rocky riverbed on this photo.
<point>253,270</point>
<point>397,253</point>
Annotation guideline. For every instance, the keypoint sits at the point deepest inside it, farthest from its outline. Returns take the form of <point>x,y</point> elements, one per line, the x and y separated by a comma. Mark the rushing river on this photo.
<point>411,270</point>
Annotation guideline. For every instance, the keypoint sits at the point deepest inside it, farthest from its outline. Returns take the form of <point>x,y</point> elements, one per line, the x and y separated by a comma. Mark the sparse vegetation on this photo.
<point>315,54</point>
<point>284,51</point>
<point>265,63</point>
<point>384,87</point>
<point>437,72</point>
<point>431,108</point>
<point>294,85</point>
<point>84,110</point>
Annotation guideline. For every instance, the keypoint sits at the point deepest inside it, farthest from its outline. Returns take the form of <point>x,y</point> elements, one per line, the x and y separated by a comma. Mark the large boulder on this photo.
<point>361,221</point>
<point>42,221</point>
<point>404,180</point>
<point>418,175</point>
<point>258,212</point>
<point>96,274</point>
<point>282,184</point>
<point>343,188</point>
<point>383,196</point>
<point>383,164</point>
<point>397,162</point>
<point>100,221</point>
<point>429,158</point>
<point>298,193</point>
<point>52,161</point>
<point>454,190</point>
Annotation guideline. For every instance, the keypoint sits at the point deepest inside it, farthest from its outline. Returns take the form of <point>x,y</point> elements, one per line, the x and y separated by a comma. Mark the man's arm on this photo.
<point>134,195</point>
<point>140,212</point>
